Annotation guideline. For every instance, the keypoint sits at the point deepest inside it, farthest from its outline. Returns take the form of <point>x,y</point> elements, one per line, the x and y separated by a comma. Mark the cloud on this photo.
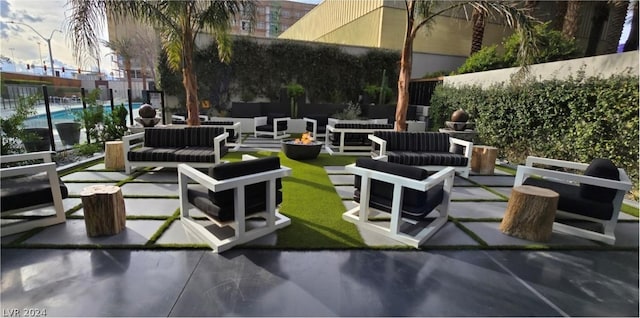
<point>3,30</point>
<point>5,8</point>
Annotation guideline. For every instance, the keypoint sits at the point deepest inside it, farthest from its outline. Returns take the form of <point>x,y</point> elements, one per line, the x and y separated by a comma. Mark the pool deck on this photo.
<point>65,273</point>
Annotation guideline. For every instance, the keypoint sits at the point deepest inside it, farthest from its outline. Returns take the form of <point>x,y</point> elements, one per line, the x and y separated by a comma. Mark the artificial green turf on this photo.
<point>633,210</point>
<point>313,205</point>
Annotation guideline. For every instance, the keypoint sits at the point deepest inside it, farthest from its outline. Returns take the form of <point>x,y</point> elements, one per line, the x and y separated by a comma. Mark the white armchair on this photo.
<point>27,188</point>
<point>594,196</point>
<point>233,193</point>
<point>408,194</point>
<point>273,125</point>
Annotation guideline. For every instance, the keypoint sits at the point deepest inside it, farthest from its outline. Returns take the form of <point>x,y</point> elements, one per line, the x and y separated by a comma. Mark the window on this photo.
<point>285,13</point>
<point>260,25</point>
<point>245,25</point>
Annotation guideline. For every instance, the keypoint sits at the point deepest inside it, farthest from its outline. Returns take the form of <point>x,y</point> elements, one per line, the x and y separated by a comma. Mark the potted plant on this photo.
<point>294,90</point>
<point>69,132</point>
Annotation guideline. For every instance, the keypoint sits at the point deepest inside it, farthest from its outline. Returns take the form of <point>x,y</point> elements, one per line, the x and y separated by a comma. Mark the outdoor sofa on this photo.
<point>198,146</point>
<point>350,138</point>
<point>428,150</point>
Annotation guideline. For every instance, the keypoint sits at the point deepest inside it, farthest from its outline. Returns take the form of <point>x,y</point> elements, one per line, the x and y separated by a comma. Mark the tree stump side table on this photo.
<point>113,155</point>
<point>104,211</point>
<point>530,213</point>
<point>483,159</point>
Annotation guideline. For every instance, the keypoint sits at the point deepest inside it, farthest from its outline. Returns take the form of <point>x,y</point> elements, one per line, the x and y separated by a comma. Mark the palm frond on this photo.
<point>514,17</point>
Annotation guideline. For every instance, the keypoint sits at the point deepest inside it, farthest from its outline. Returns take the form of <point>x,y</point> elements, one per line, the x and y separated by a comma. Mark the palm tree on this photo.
<point>632,42</point>
<point>126,49</point>
<point>179,22</point>
<point>421,13</point>
<point>478,19</point>
<point>617,15</point>
<point>570,22</point>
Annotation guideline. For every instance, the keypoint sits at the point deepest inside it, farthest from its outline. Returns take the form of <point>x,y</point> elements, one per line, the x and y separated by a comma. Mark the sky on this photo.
<point>20,43</point>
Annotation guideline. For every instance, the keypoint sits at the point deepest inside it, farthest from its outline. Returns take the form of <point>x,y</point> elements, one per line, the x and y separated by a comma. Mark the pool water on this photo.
<point>68,115</point>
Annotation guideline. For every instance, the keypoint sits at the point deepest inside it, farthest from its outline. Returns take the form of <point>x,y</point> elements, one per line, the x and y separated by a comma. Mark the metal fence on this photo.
<point>54,108</point>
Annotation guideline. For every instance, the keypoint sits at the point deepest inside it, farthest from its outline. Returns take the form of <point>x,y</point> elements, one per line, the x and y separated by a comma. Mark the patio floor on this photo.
<point>469,268</point>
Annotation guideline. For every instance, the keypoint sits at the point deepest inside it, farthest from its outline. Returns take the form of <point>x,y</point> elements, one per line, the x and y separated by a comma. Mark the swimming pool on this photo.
<point>68,115</point>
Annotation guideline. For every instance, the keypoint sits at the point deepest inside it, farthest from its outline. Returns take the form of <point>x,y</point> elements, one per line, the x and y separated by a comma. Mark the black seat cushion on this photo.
<point>571,201</point>
<point>152,154</point>
<point>197,154</point>
<point>199,197</point>
<point>415,204</point>
<point>427,158</point>
<point>601,168</point>
<point>220,205</point>
<point>26,191</point>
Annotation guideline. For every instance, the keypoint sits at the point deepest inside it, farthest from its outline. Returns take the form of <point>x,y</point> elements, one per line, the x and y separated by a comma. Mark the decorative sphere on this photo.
<point>460,116</point>
<point>147,111</point>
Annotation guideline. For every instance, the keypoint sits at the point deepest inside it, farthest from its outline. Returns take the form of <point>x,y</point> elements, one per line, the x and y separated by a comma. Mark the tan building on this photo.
<point>272,18</point>
<point>382,24</point>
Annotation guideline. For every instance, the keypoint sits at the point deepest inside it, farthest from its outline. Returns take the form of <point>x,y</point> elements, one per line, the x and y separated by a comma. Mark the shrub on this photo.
<point>352,111</point>
<point>551,46</point>
<point>577,119</point>
<point>12,127</point>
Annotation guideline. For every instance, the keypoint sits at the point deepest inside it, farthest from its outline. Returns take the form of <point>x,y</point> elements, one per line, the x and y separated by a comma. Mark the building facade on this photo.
<point>382,24</point>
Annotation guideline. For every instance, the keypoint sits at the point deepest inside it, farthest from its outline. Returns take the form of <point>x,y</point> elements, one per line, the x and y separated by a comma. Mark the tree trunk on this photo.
<point>632,41</point>
<point>189,79</point>
<point>570,24</point>
<point>127,67</point>
<point>617,14</point>
<point>530,213</point>
<point>104,210</point>
<point>479,22</point>
<point>144,75</point>
<point>600,15</point>
<point>558,17</point>
<point>406,60</point>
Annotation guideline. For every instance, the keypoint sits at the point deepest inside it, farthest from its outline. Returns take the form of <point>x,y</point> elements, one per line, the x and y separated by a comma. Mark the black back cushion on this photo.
<point>243,168</point>
<point>414,202</point>
<point>601,168</point>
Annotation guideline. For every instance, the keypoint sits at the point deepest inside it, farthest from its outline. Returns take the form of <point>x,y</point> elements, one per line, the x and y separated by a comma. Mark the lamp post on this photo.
<point>47,40</point>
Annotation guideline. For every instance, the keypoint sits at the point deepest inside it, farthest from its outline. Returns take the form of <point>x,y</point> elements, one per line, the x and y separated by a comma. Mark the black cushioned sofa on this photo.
<point>429,150</point>
<point>590,195</point>
<point>199,146</point>
<point>351,138</point>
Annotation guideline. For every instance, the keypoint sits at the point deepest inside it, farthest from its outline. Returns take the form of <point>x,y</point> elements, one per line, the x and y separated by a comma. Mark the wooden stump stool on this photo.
<point>483,159</point>
<point>530,213</point>
<point>113,155</point>
<point>104,212</point>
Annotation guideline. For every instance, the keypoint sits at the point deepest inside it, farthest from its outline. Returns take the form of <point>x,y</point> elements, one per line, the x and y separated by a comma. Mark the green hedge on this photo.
<point>577,119</point>
<point>327,74</point>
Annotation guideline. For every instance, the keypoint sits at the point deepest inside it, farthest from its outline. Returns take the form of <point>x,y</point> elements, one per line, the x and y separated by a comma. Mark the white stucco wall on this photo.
<point>600,66</point>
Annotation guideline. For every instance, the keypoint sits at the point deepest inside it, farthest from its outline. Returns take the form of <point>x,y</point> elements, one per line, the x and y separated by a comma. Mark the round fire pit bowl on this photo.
<point>300,151</point>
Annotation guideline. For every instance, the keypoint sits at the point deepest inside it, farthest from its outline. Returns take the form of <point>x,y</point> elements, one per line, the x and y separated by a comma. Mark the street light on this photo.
<point>47,40</point>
